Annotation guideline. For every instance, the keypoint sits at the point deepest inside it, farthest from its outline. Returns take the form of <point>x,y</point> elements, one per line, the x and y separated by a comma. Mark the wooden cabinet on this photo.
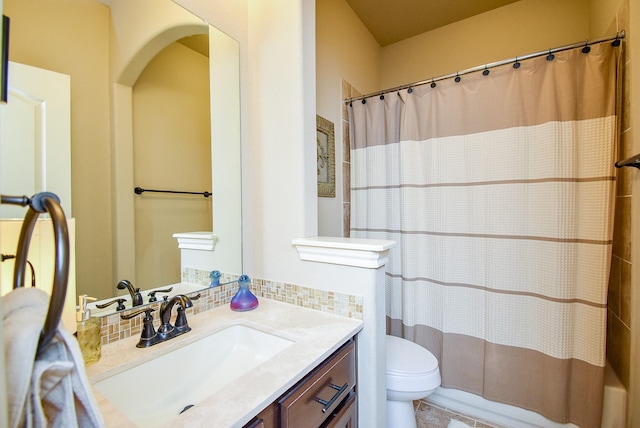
<point>256,423</point>
<point>326,397</point>
<point>345,416</point>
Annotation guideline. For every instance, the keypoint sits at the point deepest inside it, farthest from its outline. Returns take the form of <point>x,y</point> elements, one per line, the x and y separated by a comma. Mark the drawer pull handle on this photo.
<point>328,404</point>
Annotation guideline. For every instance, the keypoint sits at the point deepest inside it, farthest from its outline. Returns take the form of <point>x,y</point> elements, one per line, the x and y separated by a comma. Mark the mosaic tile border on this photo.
<point>345,305</point>
<point>114,328</point>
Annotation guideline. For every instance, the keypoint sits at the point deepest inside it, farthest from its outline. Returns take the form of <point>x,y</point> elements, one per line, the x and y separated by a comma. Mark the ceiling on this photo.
<point>391,21</point>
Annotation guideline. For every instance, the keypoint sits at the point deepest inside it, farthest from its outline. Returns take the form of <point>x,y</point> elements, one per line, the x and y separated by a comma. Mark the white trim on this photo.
<point>196,240</point>
<point>367,253</point>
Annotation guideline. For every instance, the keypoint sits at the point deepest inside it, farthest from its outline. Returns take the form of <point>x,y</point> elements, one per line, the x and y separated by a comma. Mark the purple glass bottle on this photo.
<point>244,300</point>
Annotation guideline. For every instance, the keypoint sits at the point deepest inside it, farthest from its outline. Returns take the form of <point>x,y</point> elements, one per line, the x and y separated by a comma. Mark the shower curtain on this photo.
<point>498,189</point>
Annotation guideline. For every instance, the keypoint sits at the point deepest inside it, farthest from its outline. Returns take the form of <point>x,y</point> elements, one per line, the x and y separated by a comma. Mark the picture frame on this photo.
<point>4,60</point>
<point>326,158</point>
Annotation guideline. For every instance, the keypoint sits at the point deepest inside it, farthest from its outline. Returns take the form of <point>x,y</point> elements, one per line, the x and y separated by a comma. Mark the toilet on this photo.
<point>412,374</point>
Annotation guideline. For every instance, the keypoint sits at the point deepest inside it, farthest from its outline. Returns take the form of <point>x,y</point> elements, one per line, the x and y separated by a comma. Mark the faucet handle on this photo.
<point>152,294</point>
<point>138,312</point>
<point>181,317</point>
<point>137,298</point>
<point>182,325</point>
<point>148,336</point>
<point>119,301</point>
<point>181,320</point>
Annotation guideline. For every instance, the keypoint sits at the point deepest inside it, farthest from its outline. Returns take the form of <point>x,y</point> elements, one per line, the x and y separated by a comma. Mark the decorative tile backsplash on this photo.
<point>345,305</point>
<point>114,328</point>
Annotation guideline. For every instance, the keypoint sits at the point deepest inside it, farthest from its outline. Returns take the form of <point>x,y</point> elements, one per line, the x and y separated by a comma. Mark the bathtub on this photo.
<point>613,415</point>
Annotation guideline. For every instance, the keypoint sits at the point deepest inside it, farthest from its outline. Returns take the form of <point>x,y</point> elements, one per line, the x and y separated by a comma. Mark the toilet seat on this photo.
<point>410,367</point>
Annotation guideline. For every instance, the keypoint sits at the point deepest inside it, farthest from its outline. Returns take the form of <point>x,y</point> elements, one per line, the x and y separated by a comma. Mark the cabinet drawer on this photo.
<point>345,416</point>
<point>310,403</point>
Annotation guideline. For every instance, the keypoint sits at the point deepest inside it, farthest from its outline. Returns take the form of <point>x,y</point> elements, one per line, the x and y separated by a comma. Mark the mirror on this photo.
<point>104,48</point>
<point>171,151</point>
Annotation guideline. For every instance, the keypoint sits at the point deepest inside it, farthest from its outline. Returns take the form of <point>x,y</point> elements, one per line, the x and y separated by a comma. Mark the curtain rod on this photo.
<point>140,191</point>
<point>616,38</point>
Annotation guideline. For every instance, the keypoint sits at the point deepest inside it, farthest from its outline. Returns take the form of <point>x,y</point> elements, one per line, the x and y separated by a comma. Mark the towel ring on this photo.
<point>41,203</point>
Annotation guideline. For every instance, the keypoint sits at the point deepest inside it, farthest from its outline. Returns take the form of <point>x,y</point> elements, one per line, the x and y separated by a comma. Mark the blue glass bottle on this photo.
<point>215,278</point>
<point>244,300</point>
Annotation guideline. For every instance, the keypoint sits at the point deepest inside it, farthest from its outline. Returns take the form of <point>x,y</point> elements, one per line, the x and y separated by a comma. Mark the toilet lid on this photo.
<point>408,358</point>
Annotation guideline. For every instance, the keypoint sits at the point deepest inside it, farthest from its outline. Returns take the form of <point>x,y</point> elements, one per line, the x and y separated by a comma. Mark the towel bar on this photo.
<point>633,161</point>
<point>140,190</point>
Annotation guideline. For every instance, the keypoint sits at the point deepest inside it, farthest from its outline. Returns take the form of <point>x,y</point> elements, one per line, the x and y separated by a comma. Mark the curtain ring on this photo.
<point>551,56</point>
<point>586,49</point>
<point>381,97</point>
<point>457,79</point>
<point>516,64</point>
<point>616,42</point>
<point>410,90</point>
<point>433,83</point>
<point>486,71</point>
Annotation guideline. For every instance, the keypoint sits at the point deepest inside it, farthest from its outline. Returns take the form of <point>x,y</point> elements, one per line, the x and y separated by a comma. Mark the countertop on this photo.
<point>316,335</point>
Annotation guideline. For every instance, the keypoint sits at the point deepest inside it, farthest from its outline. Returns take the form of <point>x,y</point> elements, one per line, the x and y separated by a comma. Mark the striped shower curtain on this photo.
<point>499,192</point>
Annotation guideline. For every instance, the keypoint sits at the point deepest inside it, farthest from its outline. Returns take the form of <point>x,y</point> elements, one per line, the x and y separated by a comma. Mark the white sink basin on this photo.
<point>153,393</point>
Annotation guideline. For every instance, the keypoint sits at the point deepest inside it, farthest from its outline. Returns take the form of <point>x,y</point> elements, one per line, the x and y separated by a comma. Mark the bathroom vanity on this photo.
<point>325,397</point>
<point>321,352</point>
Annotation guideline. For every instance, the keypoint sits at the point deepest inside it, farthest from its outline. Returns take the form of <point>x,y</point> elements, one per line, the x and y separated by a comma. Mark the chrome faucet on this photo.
<point>136,297</point>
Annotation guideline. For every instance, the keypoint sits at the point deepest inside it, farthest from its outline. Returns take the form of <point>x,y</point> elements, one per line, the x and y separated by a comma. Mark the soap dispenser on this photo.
<point>88,333</point>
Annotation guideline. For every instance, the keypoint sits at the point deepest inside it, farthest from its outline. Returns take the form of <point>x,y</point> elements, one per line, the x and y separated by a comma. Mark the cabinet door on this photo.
<point>316,398</point>
<point>256,423</point>
<point>346,416</point>
<point>265,419</point>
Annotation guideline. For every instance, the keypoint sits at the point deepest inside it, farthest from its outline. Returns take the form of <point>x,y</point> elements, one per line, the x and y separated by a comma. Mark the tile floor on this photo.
<point>430,416</point>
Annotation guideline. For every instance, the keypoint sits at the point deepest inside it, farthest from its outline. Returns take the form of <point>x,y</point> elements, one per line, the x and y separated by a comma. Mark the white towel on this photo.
<point>53,390</point>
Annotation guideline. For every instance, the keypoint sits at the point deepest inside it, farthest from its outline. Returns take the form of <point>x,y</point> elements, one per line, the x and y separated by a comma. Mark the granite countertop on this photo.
<point>316,335</point>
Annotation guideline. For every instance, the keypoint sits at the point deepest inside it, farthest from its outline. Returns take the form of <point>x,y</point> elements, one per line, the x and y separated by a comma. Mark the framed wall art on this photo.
<point>4,60</point>
<point>325,140</point>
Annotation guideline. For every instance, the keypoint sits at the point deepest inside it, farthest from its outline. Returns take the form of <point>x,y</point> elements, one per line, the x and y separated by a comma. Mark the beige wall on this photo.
<point>344,50</point>
<point>172,150</point>
<point>49,35</point>
<point>520,28</point>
